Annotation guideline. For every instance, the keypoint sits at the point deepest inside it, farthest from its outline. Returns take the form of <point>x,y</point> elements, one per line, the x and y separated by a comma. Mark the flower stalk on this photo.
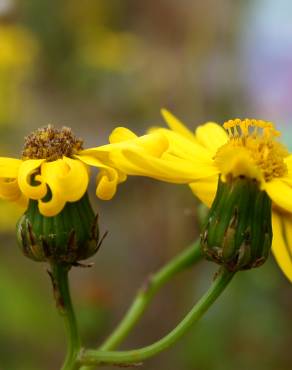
<point>59,276</point>
<point>100,357</point>
<point>184,260</point>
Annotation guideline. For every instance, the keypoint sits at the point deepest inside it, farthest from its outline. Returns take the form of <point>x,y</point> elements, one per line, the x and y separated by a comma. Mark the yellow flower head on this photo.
<point>241,148</point>
<point>251,151</point>
<point>54,168</point>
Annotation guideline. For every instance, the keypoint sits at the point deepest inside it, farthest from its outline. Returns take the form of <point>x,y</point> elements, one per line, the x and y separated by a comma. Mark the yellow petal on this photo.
<point>74,179</point>
<point>92,158</point>
<point>53,206</point>
<point>9,214</point>
<point>120,160</point>
<point>9,167</point>
<point>183,148</point>
<point>280,192</point>
<point>288,161</point>
<point>9,189</point>
<point>176,125</point>
<point>205,189</point>
<point>212,136</point>
<point>112,173</point>
<point>282,241</point>
<point>154,144</point>
<point>120,134</point>
<point>238,162</point>
<point>108,178</point>
<point>171,169</point>
<point>106,183</point>
<point>26,170</point>
<point>67,180</point>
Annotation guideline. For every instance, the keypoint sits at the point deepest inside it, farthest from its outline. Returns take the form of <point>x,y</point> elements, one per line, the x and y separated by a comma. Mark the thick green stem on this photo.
<point>98,357</point>
<point>60,281</point>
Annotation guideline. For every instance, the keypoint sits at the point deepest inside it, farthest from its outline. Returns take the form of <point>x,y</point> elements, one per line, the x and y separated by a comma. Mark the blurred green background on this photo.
<point>93,65</point>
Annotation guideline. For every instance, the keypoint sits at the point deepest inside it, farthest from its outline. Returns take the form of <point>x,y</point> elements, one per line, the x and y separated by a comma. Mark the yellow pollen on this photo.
<point>252,150</point>
<point>250,127</point>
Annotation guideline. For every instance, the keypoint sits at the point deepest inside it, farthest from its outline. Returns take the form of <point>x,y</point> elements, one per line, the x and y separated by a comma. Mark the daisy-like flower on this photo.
<point>51,180</point>
<point>242,157</point>
<point>54,161</point>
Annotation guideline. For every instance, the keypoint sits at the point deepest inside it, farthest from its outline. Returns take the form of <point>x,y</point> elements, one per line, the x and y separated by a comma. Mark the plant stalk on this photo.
<point>59,275</point>
<point>100,357</point>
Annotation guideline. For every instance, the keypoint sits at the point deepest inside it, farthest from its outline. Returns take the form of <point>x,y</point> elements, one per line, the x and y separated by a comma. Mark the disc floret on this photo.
<point>51,144</point>
<point>252,151</point>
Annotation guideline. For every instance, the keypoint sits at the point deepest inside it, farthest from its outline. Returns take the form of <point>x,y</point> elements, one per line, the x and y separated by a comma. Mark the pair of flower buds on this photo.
<point>239,170</point>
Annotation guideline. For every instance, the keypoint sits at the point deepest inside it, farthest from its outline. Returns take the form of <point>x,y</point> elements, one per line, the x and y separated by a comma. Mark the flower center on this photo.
<point>252,151</point>
<point>51,144</point>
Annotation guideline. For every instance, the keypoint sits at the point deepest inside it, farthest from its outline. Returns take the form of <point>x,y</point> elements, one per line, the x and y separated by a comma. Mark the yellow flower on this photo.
<point>241,148</point>
<point>54,169</point>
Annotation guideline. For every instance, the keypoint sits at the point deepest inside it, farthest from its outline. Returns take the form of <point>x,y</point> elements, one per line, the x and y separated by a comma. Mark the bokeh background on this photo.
<point>93,65</point>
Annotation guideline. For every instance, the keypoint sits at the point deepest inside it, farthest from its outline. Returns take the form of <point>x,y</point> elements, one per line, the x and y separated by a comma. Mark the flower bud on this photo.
<point>70,236</point>
<point>238,231</point>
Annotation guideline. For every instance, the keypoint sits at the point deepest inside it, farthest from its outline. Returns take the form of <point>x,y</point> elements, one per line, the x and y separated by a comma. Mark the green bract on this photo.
<point>70,236</point>
<point>238,231</point>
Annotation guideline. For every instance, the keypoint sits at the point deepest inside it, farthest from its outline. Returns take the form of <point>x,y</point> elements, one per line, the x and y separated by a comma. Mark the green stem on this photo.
<point>186,259</point>
<point>144,296</point>
<point>98,357</point>
<point>59,276</point>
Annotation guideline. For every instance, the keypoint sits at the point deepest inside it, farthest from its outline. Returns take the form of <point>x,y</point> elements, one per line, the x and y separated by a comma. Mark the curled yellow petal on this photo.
<point>67,176</point>
<point>9,189</point>
<point>106,183</point>
<point>26,170</point>
<point>67,180</point>
<point>53,206</point>
<point>95,162</point>
<point>110,160</point>
<point>108,178</point>
<point>282,241</point>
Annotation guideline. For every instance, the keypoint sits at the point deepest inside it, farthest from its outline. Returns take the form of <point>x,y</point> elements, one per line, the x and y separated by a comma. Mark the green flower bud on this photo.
<point>238,231</point>
<point>68,237</point>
